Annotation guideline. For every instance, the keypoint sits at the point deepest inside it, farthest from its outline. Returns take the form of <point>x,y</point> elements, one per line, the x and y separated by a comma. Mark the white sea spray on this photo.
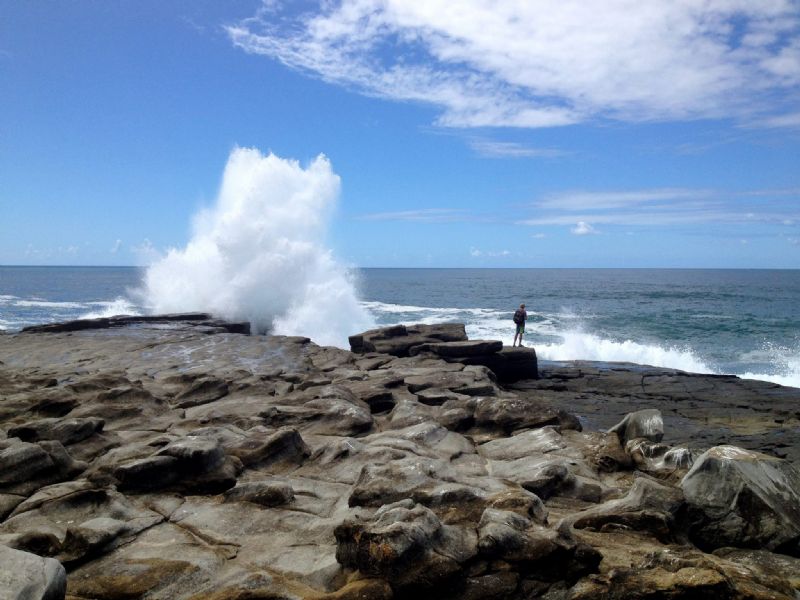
<point>259,254</point>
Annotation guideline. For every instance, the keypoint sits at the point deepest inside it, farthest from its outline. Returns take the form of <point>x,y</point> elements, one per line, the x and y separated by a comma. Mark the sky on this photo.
<point>478,133</point>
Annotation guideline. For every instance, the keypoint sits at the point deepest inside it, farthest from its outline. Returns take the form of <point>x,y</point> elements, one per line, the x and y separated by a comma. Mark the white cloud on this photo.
<point>667,206</point>
<point>583,228</point>
<point>474,252</point>
<point>617,199</point>
<point>424,215</point>
<point>789,120</point>
<point>539,236</point>
<point>547,62</point>
<point>115,248</point>
<point>495,149</point>
<point>145,252</point>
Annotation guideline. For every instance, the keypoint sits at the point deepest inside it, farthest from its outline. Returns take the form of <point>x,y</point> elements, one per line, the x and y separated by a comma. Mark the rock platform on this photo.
<point>179,458</point>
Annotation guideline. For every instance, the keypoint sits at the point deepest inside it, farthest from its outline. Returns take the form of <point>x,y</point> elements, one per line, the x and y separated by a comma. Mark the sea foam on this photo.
<point>113,308</point>
<point>259,254</point>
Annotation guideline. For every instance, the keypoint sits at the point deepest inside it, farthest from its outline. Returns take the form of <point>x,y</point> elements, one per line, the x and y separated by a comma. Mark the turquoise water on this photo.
<point>745,322</point>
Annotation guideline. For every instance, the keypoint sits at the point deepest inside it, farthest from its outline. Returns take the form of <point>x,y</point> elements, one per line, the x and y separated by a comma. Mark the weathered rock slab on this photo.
<point>25,576</point>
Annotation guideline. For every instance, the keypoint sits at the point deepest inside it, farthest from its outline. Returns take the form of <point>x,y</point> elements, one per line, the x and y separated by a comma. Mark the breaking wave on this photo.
<point>556,338</point>
<point>117,307</point>
<point>259,255</point>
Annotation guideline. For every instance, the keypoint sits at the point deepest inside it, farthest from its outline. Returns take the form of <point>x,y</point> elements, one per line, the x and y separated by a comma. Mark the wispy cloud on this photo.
<point>495,149</point>
<point>547,62</point>
<point>424,215</point>
<point>115,248</point>
<point>476,253</point>
<point>665,207</point>
<point>677,216</point>
<point>581,200</point>
<point>788,120</point>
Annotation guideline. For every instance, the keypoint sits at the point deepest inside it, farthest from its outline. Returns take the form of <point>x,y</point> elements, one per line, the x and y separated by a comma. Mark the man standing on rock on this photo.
<point>520,316</point>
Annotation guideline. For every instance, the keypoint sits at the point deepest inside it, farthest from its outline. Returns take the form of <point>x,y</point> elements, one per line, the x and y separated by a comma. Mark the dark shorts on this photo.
<point>520,328</point>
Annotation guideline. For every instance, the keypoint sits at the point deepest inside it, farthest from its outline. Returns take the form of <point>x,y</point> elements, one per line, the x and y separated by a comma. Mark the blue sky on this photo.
<point>468,134</point>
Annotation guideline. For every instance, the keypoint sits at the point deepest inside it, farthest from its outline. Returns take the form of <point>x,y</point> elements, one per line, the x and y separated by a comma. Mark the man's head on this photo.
<point>522,306</point>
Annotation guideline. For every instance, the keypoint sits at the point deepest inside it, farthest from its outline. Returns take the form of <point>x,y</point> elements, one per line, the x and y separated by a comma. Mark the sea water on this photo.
<point>742,322</point>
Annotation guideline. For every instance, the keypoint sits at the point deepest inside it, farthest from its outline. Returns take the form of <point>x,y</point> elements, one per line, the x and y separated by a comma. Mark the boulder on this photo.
<point>25,576</point>
<point>512,413</point>
<point>266,493</point>
<point>647,424</point>
<point>193,464</point>
<point>26,467</point>
<point>66,431</point>
<point>648,506</point>
<point>406,544</point>
<point>658,458</point>
<point>509,536</point>
<point>22,461</point>
<point>744,499</point>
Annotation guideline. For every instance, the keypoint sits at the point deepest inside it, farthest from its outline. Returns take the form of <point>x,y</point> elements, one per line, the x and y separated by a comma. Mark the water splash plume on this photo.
<point>258,254</point>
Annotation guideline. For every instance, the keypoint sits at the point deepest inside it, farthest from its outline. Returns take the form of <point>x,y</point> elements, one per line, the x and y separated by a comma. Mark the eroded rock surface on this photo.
<point>174,458</point>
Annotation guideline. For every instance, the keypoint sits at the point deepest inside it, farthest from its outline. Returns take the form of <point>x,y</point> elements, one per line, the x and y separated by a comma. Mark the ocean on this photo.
<point>741,322</point>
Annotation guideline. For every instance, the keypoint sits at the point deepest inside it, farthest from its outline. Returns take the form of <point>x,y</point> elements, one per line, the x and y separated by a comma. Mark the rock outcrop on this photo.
<point>743,499</point>
<point>25,576</point>
<point>172,458</point>
<point>449,342</point>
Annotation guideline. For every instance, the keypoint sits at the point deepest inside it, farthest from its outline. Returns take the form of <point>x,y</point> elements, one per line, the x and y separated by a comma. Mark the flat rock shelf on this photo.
<point>178,457</point>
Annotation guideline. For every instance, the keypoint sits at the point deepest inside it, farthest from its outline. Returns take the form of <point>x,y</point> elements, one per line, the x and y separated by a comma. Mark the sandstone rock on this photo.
<point>544,440</point>
<point>66,431</point>
<point>329,416</point>
<point>194,454</point>
<point>143,567</point>
<point>265,493</point>
<point>772,571</point>
<point>26,467</point>
<point>260,446</point>
<point>508,365</point>
<point>746,499</point>
<point>124,407</point>
<point>647,424</point>
<point>544,477</point>
<point>8,502</point>
<point>462,349</point>
<point>151,473</point>
<point>509,536</point>
<point>513,413</point>
<point>54,514</point>
<point>25,576</point>
<point>520,501</point>
<point>202,391</point>
<point>90,537</point>
<point>406,544</point>
<point>648,506</point>
<point>399,340</point>
<point>503,490</point>
<point>658,458</point>
<point>21,461</point>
